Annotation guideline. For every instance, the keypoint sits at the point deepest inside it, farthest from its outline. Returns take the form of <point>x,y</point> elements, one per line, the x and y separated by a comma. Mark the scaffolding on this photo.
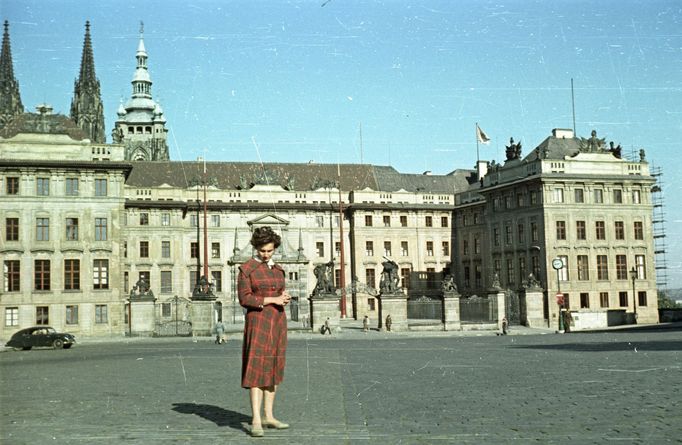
<point>660,247</point>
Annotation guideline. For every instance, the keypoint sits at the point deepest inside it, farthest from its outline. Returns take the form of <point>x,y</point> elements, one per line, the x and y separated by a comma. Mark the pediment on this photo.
<point>269,219</point>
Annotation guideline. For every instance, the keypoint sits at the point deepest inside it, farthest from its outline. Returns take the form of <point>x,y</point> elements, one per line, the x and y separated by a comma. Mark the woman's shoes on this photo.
<point>275,424</point>
<point>256,431</point>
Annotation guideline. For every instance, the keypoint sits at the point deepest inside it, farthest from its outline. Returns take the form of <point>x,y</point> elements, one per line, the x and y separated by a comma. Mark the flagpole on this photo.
<point>476,132</point>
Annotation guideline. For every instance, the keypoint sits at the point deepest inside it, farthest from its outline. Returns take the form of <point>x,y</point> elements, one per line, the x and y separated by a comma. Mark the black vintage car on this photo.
<point>40,336</point>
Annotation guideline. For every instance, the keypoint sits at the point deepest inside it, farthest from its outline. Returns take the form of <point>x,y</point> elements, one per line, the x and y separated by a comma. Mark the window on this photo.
<point>144,275</point>
<point>72,272</point>
<point>387,248</point>
<point>404,249</point>
<point>126,282</point>
<point>429,248</point>
<point>583,268</point>
<point>444,221</point>
<point>496,236</point>
<point>598,196</point>
<point>533,231</point>
<point>42,315</point>
<point>405,278</point>
<point>604,299</point>
<point>43,186</point>
<point>477,218</point>
<point>42,229</point>
<point>446,248</point>
<point>620,230</point>
<point>217,280</point>
<point>100,274</point>
<point>467,275</point>
<point>368,220</point>
<point>641,298</point>
<point>521,231</point>
<point>510,271</point>
<point>166,281</point>
<point>319,248</point>
<point>41,274</point>
<point>215,220</point>
<point>12,229</point>
<point>337,248</point>
<point>600,230</point>
<point>477,245</point>
<point>319,221</point>
<point>371,304</point>
<point>522,269</point>
<point>519,200</point>
<point>71,314</point>
<point>100,229</point>
<point>166,310</point>
<point>12,276</point>
<point>533,197</point>
<point>584,300</point>
<point>617,196</point>
<point>194,250</point>
<point>72,229</point>
<point>465,247</point>
<point>165,249</point>
<point>144,249</point>
<point>12,316</point>
<point>387,221</point>
<point>144,219</point>
<point>563,272</point>
<point>101,314</point>
<point>369,248</point>
<point>640,265</point>
<point>639,230</point>
<point>71,186</point>
<point>429,221</point>
<point>165,219</point>
<point>403,220</point>
<point>125,249</point>
<point>636,197</point>
<point>193,220</point>
<point>602,267</point>
<point>12,186</point>
<point>623,299</point>
<point>508,235</point>
<point>215,250</point>
<point>621,267</point>
<point>579,196</point>
<point>100,187</point>
<point>370,278</point>
<point>558,195</point>
<point>535,265</point>
<point>580,230</point>
<point>561,230</point>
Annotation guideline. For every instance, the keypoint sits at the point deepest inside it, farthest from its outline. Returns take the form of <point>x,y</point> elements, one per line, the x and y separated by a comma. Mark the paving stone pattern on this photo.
<point>354,388</point>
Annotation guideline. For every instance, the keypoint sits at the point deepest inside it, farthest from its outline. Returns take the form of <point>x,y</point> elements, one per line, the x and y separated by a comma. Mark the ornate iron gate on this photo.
<point>511,307</point>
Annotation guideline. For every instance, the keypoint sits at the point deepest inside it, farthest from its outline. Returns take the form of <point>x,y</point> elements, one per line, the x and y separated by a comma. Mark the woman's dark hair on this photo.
<point>265,235</point>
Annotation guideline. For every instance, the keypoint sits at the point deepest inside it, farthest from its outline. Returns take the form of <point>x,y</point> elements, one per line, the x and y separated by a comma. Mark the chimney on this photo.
<point>562,133</point>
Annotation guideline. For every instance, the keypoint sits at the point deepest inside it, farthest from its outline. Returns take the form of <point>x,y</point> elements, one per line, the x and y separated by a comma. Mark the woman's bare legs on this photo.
<point>256,395</point>
<point>269,395</point>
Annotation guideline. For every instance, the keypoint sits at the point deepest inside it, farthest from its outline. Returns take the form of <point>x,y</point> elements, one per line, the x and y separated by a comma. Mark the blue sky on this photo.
<point>299,78</point>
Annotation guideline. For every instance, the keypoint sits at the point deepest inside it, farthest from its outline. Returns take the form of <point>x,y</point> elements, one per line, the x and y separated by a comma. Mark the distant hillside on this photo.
<point>675,294</point>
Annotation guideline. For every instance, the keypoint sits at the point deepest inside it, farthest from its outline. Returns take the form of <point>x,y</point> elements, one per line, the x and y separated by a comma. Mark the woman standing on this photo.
<point>261,292</point>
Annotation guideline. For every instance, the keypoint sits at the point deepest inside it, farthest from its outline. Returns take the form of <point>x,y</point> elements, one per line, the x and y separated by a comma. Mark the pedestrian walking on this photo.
<point>365,323</point>
<point>261,291</point>
<point>389,322</point>
<point>326,327</point>
<point>219,333</point>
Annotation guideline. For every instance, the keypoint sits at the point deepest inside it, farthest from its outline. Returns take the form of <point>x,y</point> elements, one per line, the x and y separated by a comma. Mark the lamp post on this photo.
<point>175,300</point>
<point>558,264</point>
<point>633,276</point>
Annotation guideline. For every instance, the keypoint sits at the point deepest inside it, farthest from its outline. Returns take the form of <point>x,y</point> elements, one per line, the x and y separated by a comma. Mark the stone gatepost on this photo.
<point>497,294</point>
<point>323,306</point>
<point>203,318</point>
<point>142,315</point>
<point>395,305</point>
<point>532,308</point>
<point>451,320</point>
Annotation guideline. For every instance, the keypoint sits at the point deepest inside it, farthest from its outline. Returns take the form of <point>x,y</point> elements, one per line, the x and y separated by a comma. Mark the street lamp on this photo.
<point>558,264</point>
<point>633,276</point>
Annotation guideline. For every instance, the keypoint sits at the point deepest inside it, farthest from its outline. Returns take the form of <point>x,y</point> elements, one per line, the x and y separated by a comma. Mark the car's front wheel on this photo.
<point>67,346</point>
<point>26,348</point>
<point>58,343</point>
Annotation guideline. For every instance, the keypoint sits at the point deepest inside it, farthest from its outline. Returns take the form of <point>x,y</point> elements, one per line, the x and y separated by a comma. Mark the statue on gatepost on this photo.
<point>448,285</point>
<point>141,290</point>
<point>532,283</point>
<point>390,282</point>
<point>325,284</point>
<point>496,281</point>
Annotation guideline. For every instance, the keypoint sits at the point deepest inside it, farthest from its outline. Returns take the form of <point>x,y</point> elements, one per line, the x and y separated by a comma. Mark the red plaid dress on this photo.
<point>265,329</point>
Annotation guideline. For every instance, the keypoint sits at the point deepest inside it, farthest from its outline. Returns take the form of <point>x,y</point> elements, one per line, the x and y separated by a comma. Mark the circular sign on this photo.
<point>557,263</point>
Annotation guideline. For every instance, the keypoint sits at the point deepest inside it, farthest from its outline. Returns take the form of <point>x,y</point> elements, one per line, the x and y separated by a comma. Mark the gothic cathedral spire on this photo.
<point>10,100</point>
<point>141,126</point>
<point>86,106</point>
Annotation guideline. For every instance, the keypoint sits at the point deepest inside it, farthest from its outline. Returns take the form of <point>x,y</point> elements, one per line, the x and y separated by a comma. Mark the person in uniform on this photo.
<point>261,291</point>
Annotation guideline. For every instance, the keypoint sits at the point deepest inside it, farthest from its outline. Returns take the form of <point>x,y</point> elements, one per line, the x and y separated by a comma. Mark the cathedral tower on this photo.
<point>141,126</point>
<point>10,100</point>
<point>86,105</point>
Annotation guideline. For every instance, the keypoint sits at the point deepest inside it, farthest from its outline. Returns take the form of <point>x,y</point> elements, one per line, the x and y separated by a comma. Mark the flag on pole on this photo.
<point>481,136</point>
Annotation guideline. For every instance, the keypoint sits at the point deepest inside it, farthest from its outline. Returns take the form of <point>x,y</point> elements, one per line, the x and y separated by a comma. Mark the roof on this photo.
<point>292,176</point>
<point>43,124</point>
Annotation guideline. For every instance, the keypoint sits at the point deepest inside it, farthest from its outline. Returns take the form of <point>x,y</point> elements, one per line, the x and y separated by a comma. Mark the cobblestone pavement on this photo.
<point>354,388</point>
